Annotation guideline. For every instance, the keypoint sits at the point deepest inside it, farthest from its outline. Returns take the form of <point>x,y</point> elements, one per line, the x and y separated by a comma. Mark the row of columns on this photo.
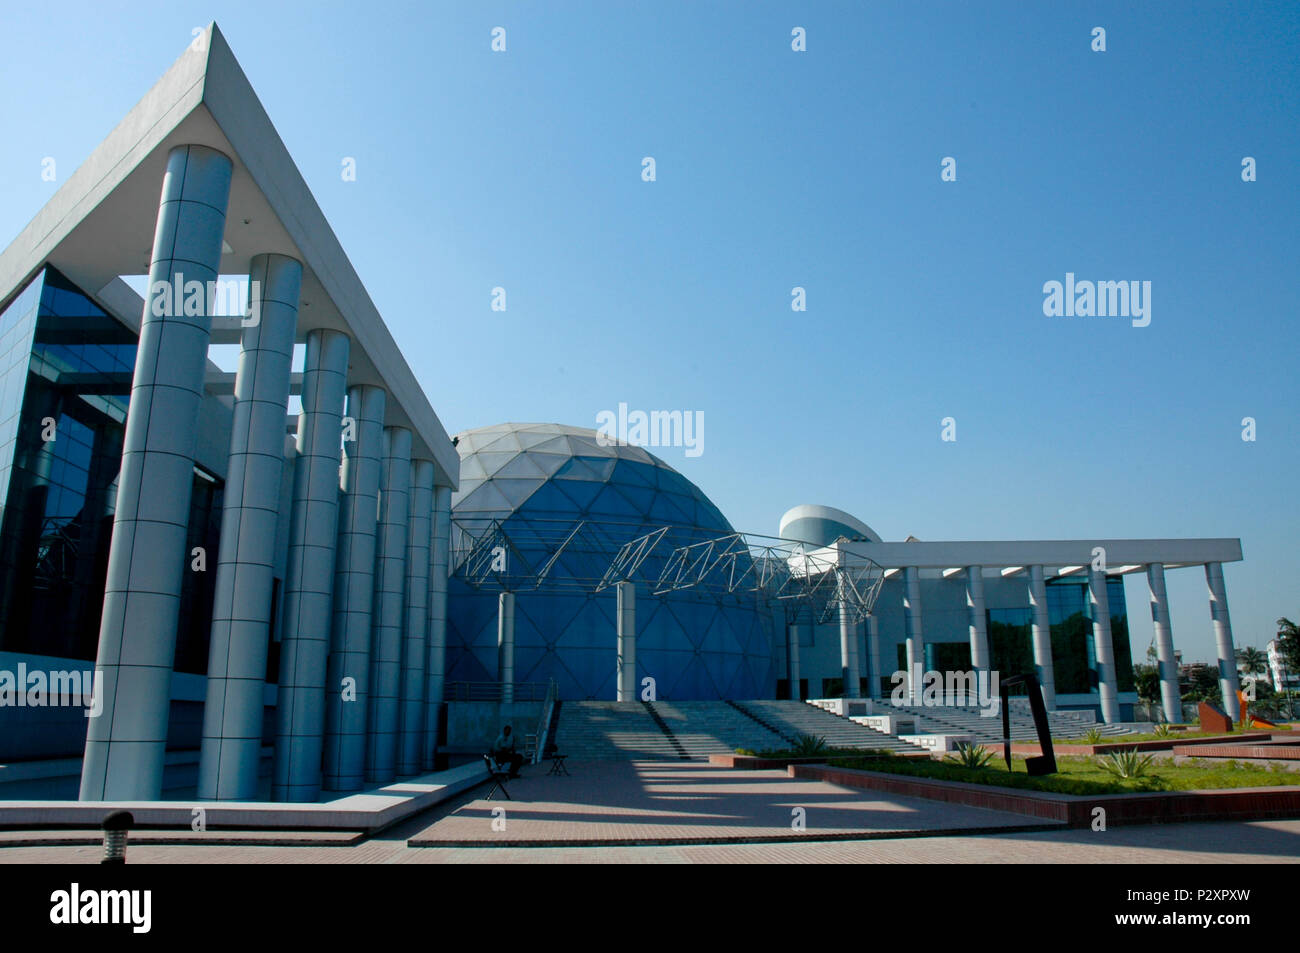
<point>1041,638</point>
<point>364,607</point>
<point>125,745</point>
<point>625,683</point>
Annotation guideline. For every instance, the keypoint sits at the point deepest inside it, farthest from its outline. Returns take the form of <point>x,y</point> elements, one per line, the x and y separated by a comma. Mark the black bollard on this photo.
<point>116,828</point>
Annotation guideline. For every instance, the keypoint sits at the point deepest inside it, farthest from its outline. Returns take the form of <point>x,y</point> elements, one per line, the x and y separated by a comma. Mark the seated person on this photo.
<point>503,752</point>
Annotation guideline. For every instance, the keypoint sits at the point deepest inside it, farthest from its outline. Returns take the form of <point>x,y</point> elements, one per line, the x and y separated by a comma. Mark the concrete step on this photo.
<point>799,718</point>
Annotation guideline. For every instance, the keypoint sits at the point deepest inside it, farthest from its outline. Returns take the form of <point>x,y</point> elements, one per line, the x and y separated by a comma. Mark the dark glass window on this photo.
<point>1073,654</point>
<point>1011,643</point>
<point>58,510</point>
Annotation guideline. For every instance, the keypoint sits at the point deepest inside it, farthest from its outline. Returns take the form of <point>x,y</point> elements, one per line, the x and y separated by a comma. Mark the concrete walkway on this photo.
<point>1254,842</point>
<point>610,803</point>
<point>692,801</point>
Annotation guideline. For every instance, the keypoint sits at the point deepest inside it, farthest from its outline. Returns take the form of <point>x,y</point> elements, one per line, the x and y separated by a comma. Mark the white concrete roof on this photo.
<point>100,224</point>
<point>813,511</point>
<point>1120,554</point>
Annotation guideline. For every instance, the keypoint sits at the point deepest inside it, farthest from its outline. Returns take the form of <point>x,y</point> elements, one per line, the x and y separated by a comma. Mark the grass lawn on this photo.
<point>1085,776</point>
<point>1172,736</point>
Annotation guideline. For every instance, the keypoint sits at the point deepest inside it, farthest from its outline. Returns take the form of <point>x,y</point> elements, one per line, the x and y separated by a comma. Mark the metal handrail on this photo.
<point>544,720</point>
<point>494,691</point>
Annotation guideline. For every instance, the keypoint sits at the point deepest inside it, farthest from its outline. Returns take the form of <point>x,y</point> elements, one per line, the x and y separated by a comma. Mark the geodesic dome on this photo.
<point>536,479</point>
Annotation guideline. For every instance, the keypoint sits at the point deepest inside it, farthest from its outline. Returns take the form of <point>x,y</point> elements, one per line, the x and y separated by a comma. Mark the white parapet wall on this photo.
<point>844,707</point>
<point>370,810</point>
<point>938,744</point>
<point>889,724</point>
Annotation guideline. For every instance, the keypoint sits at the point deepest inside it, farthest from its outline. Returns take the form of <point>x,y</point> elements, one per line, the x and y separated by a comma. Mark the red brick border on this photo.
<point>1158,744</point>
<point>1280,752</point>
<point>1072,809</point>
<point>749,762</point>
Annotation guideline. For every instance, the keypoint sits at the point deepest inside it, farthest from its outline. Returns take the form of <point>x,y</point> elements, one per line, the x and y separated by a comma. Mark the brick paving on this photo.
<point>1253,842</point>
<point>656,802</point>
<point>1220,842</point>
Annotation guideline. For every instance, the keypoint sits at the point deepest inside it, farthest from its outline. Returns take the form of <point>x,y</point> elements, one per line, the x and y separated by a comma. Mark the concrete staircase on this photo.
<point>696,729</point>
<point>703,728</point>
<point>614,731</point>
<point>795,718</point>
<point>601,730</point>
<point>970,721</point>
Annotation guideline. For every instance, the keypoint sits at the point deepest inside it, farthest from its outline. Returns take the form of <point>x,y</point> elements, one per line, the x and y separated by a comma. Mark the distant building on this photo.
<point>1282,679</point>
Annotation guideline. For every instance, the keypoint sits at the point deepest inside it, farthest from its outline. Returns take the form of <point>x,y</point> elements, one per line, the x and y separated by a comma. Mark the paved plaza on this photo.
<point>690,812</point>
<point>641,803</point>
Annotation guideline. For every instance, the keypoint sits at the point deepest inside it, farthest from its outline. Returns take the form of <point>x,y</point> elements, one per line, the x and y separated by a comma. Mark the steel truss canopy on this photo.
<point>589,556</point>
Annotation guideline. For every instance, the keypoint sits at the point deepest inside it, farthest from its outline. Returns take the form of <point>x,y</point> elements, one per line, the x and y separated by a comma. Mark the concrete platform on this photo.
<point>608,803</point>
<point>367,811</point>
<point>93,838</point>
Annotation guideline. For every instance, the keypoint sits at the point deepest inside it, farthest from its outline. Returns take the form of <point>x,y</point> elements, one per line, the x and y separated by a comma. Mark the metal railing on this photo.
<point>544,720</point>
<point>493,691</point>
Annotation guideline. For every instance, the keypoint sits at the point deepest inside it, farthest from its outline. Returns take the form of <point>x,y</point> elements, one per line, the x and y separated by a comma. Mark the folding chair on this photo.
<point>499,776</point>
<point>557,761</point>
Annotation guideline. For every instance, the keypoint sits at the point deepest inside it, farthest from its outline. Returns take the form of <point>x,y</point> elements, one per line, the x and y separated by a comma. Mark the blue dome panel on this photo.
<point>690,644</point>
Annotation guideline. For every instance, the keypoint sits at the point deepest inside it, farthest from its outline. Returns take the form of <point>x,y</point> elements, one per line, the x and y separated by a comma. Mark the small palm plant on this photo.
<point>1092,736</point>
<point>1126,764</point>
<point>971,755</point>
<point>809,745</point>
<point>1163,730</point>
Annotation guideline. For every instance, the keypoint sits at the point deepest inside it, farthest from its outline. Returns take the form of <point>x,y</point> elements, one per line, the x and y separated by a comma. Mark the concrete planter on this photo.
<point>1076,810</point>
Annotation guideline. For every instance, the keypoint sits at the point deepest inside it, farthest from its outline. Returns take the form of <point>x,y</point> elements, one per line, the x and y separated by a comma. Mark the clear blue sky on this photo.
<point>818,169</point>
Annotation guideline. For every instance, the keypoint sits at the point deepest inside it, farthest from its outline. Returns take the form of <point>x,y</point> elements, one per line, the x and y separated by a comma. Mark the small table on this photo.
<point>557,765</point>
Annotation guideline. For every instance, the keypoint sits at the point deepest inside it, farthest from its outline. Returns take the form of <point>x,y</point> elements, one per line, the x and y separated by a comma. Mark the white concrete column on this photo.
<point>126,743</point>
<point>1170,695</point>
<point>506,645</point>
<point>231,748</point>
<point>435,664</point>
<point>389,612</point>
<point>794,632</point>
<point>978,624</point>
<point>1107,685</point>
<point>348,674</point>
<point>873,657</point>
<point>850,673</point>
<point>1228,682</point>
<point>625,679</point>
<point>1041,632</point>
<point>410,727</point>
<point>309,573</point>
<point>914,630</point>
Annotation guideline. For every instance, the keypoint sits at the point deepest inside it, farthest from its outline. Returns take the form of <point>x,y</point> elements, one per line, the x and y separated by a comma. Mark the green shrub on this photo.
<point>1163,731</point>
<point>808,745</point>
<point>971,756</point>
<point>1126,764</point>
<point>1092,736</point>
<point>745,751</point>
<point>777,754</point>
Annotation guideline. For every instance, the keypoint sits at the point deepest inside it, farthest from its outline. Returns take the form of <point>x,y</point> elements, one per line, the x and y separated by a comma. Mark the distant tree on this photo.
<point>1251,661</point>
<point>1202,683</point>
<point>1288,641</point>
<point>1147,681</point>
